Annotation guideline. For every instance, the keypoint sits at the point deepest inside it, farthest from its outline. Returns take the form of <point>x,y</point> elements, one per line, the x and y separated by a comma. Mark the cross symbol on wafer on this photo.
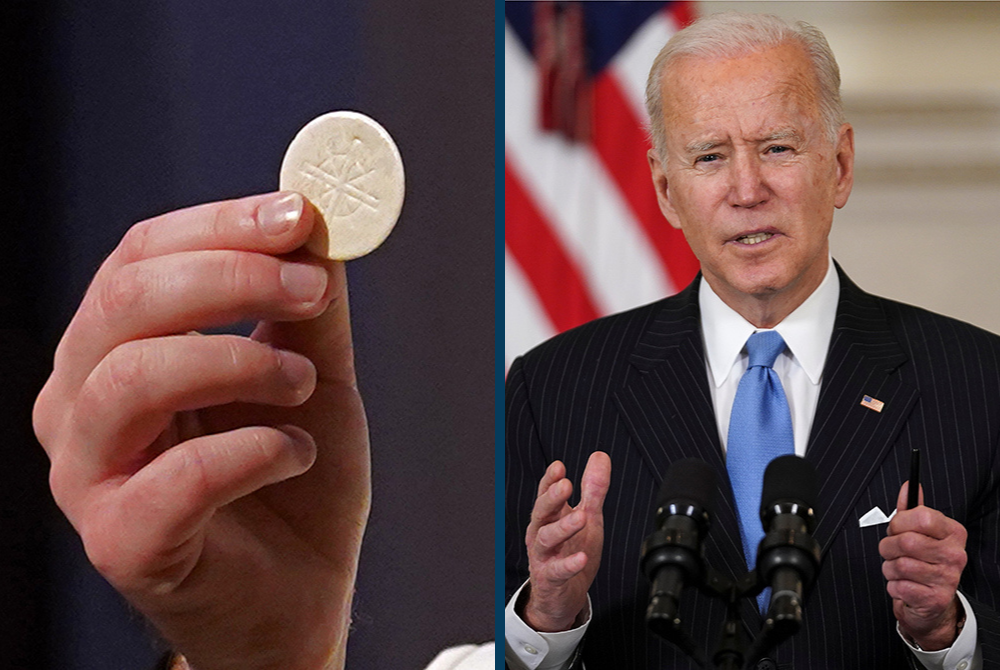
<point>347,165</point>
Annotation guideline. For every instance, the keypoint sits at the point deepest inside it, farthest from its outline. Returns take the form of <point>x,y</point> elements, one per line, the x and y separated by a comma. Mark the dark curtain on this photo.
<point>116,111</point>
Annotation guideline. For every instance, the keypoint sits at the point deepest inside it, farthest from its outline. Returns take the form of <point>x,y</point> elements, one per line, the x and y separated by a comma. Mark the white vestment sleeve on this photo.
<point>466,657</point>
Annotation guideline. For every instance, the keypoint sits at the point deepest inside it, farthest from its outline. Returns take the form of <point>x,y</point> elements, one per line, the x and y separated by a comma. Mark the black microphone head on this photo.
<point>689,481</point>
<point>791,479</point>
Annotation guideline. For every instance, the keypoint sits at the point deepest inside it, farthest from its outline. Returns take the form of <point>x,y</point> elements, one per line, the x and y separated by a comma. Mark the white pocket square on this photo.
<point>875,517</point>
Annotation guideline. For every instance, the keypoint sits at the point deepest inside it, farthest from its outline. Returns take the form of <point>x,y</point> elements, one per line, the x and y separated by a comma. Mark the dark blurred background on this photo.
<point>116,111</point>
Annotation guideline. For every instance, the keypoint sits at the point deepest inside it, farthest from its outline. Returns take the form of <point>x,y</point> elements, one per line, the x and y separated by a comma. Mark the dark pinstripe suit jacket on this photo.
<point>634,385</point>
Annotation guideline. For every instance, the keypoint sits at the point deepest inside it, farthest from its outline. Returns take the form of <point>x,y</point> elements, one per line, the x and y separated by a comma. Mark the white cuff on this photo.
<point>527,649</point>
<point>963,654</point>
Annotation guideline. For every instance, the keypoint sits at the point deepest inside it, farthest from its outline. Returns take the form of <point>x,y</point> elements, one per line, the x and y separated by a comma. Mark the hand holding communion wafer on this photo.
<point>221,483</point>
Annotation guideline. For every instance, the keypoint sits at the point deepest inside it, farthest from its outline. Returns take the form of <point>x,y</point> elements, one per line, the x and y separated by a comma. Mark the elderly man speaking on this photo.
<point>751,157</point>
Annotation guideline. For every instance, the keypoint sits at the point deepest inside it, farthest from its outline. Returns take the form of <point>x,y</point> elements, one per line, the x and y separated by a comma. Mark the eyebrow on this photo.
<point>699,147</point>
<point>708,145</point>
<point>784,134</point>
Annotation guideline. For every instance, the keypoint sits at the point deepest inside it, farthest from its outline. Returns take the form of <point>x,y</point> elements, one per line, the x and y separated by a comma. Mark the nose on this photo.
<point>747,188</point>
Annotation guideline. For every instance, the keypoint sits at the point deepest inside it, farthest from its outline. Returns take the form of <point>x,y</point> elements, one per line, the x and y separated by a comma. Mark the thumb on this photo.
<point>904,493</point>
<point>595,482</point>
<point>324,340</point>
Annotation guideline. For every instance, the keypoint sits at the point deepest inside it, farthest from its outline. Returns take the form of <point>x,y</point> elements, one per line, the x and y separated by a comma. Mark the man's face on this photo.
<point>751,175</point>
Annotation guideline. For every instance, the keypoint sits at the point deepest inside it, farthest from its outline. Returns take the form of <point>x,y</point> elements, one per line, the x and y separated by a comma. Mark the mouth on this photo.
<point>751,239</point>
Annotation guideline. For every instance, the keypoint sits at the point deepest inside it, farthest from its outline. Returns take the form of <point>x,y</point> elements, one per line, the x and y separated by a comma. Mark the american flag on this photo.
<point>583,235</point>
<point>872,403</point>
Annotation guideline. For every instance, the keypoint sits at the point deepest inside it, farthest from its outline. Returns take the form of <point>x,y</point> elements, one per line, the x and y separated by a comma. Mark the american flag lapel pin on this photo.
<point>872,403</point>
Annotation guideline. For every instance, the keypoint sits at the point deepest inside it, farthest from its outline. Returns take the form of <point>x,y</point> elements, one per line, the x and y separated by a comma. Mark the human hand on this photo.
<point>924,554</point>
<point>565,544</point>
<point>221,483</point>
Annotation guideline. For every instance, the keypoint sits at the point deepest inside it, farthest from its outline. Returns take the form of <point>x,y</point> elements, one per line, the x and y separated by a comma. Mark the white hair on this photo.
<point>735,34</point>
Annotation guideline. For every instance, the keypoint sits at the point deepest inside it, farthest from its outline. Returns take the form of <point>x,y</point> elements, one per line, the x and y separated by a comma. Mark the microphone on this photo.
<point>788,557</point>
<point>672,555</point>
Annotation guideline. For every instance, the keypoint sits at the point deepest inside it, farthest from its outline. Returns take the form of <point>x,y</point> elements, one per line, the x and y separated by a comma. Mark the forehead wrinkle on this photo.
<point>800,92</point>
<point>687,101</point>
<point>787,93</point>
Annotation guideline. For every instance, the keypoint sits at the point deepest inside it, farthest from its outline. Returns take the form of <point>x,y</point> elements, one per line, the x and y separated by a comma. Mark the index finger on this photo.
<point>273,223</point>
<point>236,225</point>
<point>925,521</point>
<point>552,505</point>
<point>553,473</point>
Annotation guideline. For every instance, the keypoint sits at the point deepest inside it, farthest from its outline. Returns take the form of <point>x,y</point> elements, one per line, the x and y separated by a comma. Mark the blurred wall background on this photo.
<point>116,111</point>
<point>921,85</point>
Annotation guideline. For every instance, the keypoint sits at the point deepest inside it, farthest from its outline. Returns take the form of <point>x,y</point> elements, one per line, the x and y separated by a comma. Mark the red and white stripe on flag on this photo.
<point>583,234</point>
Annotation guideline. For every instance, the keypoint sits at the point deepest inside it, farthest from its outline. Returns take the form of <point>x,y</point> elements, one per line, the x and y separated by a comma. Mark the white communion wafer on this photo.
<point>350,169</point>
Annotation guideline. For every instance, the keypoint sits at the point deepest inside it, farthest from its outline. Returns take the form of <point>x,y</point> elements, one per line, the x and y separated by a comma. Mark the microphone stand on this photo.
<point>730,652</point>
<point>787,547</point>
<point>788,558</point>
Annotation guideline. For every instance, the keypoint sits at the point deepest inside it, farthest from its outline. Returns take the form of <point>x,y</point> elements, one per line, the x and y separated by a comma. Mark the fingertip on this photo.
<point>306,283</point>
<point>883,549</point>
<point>336,281</point>
<point>598,470</point>
<point>601,460</point>
<point>300,374</point>
<point>301,445</point>
<point>597,477</point>
<point>278,213</point>
<point>561,489</point>
<point>577,561</point>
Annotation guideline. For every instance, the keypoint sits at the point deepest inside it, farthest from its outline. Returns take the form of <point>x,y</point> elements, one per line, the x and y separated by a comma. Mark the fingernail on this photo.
<point>303,445</point>
<point>278,215</point>
<point>305,283</point>
<point>298,370</point>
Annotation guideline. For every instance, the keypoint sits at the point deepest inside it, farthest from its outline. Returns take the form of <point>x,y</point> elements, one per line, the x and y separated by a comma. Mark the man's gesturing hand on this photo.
<point>564,544</point>
<point>221,483</point>
<point>924,556</point>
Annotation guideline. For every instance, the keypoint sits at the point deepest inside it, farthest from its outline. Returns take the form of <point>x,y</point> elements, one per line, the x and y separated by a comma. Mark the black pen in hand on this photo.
<point>912,495</point>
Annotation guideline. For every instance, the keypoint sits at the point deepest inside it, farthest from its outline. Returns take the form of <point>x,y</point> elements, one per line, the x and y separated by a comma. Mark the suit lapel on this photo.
<point>667,408</point>
<point>848,441</point>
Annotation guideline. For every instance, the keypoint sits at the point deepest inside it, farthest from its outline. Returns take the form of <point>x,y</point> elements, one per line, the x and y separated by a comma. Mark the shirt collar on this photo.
<point>806,331</point>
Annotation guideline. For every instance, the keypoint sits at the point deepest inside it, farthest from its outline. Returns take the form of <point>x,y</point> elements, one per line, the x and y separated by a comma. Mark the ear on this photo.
<point>845,165</point>
<point>662,188</point>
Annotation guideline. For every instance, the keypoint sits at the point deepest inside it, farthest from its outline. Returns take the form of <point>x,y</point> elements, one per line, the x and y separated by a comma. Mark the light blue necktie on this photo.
<point>760,430</point>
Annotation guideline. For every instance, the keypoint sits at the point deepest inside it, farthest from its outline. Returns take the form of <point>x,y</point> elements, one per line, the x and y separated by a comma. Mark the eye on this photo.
<point>778,149</point>
<point>707,158</point>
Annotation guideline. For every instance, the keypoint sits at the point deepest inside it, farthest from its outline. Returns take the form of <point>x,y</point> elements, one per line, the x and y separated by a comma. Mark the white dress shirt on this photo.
<point>807,332</point>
